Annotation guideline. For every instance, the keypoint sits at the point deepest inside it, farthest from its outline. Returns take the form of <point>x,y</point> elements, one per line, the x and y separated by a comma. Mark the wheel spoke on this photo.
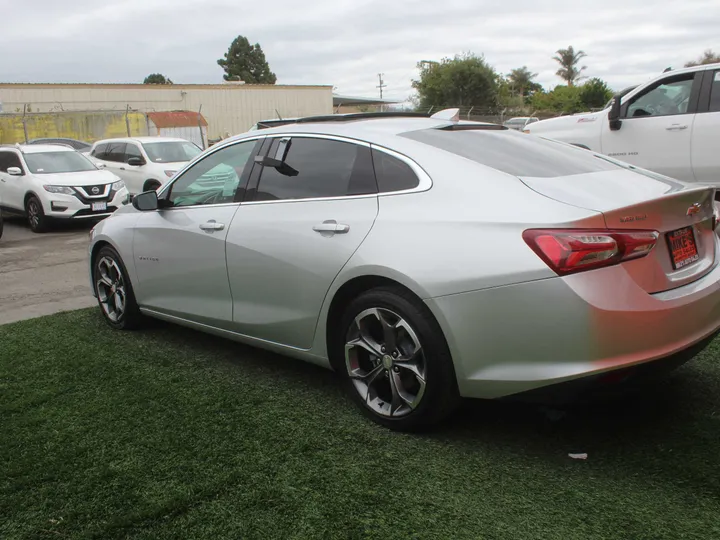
<point>105,280</point>
<point>389,331</point>
<point>411,366</point>
<point>367,343</point>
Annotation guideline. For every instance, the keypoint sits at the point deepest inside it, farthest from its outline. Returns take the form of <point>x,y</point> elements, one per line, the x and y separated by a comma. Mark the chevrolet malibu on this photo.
<point>423,259</point>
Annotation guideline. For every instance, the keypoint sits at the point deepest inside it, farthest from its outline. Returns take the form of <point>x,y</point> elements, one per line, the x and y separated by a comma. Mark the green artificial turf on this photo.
<point>168,433</point>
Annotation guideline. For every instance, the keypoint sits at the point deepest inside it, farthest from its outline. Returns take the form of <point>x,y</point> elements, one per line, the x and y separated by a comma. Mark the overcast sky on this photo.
<point>346,43</point>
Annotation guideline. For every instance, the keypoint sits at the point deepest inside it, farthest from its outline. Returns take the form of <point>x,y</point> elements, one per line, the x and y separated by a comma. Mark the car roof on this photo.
<point>367,129</point>
<point>37,148</point>
<point>142,139</point>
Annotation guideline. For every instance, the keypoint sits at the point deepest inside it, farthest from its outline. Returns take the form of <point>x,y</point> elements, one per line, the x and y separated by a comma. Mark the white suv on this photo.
<point>144,163</point>
<point>46,182</point>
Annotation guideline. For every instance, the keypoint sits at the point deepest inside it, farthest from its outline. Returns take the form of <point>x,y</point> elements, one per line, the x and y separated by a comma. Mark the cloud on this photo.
<point>347,43</point>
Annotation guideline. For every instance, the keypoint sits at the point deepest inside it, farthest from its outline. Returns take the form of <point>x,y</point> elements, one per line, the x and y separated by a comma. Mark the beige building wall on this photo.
<point>229,108</point>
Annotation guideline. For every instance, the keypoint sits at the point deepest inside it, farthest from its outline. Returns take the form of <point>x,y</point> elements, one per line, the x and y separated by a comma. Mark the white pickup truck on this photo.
<point>670,125</point>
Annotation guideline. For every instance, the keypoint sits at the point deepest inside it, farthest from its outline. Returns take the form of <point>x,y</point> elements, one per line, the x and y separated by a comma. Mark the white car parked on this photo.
<point>669,125</point>
<point>46,182</point>
<point>144,163</point>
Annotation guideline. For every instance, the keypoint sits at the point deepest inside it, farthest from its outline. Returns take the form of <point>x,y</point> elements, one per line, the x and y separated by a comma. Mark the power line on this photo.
<point>381,85</point>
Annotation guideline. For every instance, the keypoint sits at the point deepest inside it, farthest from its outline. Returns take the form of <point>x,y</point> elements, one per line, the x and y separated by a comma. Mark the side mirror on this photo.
<point>614,114</point>
<point>146,201</point>
<point>136,161</point>
<point>14,171</point>
<point>100,165</point>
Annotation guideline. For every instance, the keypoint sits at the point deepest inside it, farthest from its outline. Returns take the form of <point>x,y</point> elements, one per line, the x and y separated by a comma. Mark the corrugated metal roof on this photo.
<point>170,119</point>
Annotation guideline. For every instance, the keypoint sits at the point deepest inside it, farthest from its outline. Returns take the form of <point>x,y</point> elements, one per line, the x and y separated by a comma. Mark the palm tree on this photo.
<point>568,60</point>
<point>521,79</point>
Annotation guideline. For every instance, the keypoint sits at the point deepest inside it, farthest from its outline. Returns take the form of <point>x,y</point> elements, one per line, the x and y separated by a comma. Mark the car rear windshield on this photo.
<point>171,151</point>
<point>513,152</point>
<point>57,162</point>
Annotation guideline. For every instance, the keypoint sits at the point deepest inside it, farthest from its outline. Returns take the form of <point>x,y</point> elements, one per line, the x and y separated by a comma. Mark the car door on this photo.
<point>301,223</point>
<point>134,176</point>
<point>656,128</point>
<point>12,188</point>
<point>179,249</point>
<point>706,131</point>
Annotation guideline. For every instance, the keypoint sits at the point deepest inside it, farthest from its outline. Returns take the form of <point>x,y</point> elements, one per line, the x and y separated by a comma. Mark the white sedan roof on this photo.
<point>38,148</point>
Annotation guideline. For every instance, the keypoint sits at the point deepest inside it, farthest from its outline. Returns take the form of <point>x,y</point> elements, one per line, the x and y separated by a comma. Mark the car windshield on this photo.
<point>171,151</point>
<point>57,162</point>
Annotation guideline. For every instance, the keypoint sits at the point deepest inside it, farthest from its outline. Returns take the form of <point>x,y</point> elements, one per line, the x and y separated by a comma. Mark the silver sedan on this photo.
<point>423,259</point>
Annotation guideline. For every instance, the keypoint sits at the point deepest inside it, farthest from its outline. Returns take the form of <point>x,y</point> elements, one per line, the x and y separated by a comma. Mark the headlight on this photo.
<point>60,189</point>
<point>170,174</point>
<point>117,186</point>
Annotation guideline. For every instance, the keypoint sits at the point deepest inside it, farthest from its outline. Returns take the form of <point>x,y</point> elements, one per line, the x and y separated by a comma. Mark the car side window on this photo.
<point>115,152</point>
<point>393,174</point>
<point>315,168</point>
<point>100,151</point>
<point>666,98</point>
<point>9,159</point>
<point>715,93</point>
<point>132,151</point>
<point>214,179</point>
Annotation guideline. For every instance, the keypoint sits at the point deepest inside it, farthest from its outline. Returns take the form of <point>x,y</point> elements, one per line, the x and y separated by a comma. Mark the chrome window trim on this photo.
<point>424,180</point>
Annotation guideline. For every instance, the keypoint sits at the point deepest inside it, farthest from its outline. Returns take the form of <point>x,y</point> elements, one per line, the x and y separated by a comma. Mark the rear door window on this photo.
<point>715,93</point>
<point>100,151</point>
<point>513,152</point>
<point>317,168</point>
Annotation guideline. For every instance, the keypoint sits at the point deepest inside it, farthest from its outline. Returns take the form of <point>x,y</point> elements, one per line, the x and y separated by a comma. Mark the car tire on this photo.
<point>114,291</point>
<point>151,185</point>
<point>393,387</point>
<point>36,215</point>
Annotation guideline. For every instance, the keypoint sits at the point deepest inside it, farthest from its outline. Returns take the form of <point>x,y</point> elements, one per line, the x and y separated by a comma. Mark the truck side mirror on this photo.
<point>614,114</point>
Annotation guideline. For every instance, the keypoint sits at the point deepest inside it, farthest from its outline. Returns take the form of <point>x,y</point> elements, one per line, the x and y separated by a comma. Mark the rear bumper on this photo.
<point>514,339</point>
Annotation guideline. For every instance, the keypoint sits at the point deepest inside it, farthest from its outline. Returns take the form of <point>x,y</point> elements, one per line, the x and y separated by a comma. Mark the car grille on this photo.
<point>81,193</point>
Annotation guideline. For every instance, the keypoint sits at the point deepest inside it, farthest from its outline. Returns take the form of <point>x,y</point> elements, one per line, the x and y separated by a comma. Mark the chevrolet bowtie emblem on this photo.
<point>694,209</point>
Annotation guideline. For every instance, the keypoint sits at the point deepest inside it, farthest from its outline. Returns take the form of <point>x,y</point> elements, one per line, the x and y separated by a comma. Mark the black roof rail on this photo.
<point>339,118</point>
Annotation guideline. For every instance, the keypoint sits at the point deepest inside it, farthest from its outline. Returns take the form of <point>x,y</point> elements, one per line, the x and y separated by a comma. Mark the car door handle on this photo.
<point>331,226</point>
<point>122,168</point>
<point>212,225</point>
<point>676,127</point>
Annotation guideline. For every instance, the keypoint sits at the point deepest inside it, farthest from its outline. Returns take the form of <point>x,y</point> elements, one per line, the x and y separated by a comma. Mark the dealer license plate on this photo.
<point>683,248</point>
<point>99,206</point>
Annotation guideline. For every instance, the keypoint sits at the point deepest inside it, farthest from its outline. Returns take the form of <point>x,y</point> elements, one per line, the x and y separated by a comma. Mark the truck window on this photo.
<point>715,93</point>
<point>665,98</point>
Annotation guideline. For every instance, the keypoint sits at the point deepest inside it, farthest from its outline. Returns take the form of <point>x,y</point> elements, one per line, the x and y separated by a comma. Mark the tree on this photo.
<point>708,57</point>
<point>569,60</point>
<point>561,99</point>
<point>595,93</point>
<point>521,80</point>
<point>466,80</point>
<point>245,62</point>
<point>157,78</point>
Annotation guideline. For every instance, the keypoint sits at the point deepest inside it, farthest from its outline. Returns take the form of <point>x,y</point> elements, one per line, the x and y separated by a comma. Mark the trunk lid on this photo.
<point>638,199</point>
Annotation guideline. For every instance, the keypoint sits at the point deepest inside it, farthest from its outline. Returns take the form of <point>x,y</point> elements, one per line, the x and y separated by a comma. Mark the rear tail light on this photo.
<point>567,251</point>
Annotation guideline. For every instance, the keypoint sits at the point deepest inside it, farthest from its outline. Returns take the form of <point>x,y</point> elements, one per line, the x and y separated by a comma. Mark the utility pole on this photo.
<point>381,85</point>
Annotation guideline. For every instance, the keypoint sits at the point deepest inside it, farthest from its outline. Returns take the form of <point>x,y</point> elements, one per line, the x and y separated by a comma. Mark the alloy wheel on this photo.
<point>386,363</point>
<point>110,287</point>
<point>33,214</point>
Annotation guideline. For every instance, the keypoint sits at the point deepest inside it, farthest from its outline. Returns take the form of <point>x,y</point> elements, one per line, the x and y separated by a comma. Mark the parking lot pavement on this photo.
<point>42,274</point>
